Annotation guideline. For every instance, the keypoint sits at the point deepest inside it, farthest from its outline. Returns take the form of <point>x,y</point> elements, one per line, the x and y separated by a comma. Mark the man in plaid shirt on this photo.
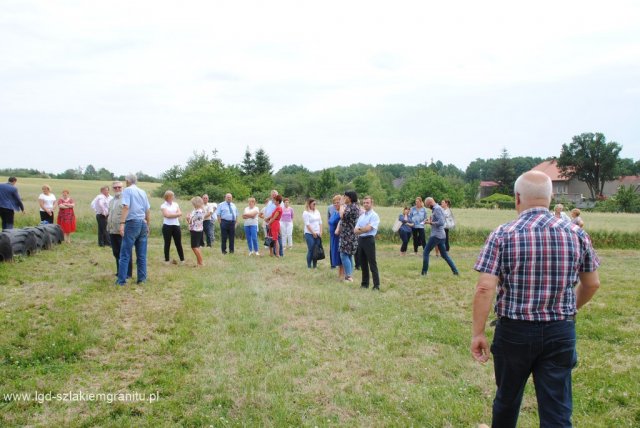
<point>544,270</point>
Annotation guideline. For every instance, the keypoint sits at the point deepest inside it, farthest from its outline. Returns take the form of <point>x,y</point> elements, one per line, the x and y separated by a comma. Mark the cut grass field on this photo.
<point>264,342</point>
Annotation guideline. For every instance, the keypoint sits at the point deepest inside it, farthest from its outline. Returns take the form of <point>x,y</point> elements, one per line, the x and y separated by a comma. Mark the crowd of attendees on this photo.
<point>123,223</point>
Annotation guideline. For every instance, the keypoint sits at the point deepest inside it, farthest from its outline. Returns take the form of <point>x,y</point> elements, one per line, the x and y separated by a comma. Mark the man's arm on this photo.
<point>485,292</point>
<point>123,218</point>
<point>589,284</point>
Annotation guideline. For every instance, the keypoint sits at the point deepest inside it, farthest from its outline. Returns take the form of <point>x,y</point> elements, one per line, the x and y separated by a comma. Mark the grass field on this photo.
<point>259,342</point>
<point>263,342</point>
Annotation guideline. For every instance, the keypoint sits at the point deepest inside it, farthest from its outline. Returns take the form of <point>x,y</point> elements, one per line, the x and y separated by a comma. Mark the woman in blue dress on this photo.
<point>333,214</point>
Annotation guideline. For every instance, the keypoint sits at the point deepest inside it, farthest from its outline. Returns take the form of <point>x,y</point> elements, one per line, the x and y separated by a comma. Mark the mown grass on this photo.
<point>263,342</point>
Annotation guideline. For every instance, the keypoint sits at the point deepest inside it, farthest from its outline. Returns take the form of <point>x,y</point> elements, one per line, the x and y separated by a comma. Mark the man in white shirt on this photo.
<point>209,217</point>
<point>100,205</point>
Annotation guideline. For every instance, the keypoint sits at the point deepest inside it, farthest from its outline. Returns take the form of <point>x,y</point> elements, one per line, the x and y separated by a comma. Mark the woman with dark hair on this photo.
<point>312,229</point>
<point>405,230</point>
<point>349,213</point>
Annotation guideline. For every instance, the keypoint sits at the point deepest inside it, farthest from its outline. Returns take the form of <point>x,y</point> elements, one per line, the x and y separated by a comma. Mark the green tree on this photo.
<point>262,163</point>
<point>590,159</point>
<point>248,166</point>
<point>105,175</point>
<point>504,173</point>
<point>628,199</point>
<point>90,173</point>
<point>370,184</point>
<point>327,184</point>
<point>428,183</point>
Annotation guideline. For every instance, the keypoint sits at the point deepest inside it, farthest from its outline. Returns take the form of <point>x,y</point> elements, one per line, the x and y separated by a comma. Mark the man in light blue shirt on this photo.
<point>438,237</point>
<point>366,229</point>
<point>134,229</point>
<point>227,214</point>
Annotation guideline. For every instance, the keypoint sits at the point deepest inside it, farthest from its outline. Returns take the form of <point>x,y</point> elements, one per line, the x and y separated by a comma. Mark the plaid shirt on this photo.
<point>537,259</point>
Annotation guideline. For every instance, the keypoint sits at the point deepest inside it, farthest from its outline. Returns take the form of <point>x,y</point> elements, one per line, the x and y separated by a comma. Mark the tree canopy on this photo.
<point>590,159</point>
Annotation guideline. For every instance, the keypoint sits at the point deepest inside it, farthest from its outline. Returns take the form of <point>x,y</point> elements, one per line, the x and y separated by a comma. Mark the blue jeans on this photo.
<point>405,235</point>
<point>135,234</point>
<point>431,244</point>
<point>311,244</point>
<point>347,263</point>
<point>251,232</point>
<point>207,226</point>
<point>548,351</point>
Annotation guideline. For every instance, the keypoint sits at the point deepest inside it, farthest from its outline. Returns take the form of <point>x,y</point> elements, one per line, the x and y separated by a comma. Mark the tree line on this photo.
<point>388,184</point>
<point>79,173</point>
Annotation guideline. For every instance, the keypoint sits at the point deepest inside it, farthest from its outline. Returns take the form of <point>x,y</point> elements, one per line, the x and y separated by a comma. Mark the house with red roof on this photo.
<point>576,191</point>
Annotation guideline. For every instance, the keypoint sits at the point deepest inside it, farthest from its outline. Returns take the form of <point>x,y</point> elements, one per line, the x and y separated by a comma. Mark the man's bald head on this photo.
<point>533,189</point>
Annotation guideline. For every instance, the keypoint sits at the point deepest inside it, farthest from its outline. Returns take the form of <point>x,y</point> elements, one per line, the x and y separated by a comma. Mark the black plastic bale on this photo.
<point>23,242</point>
<point>55,232</point>
<point>6,254</point>
<point>44,238</point>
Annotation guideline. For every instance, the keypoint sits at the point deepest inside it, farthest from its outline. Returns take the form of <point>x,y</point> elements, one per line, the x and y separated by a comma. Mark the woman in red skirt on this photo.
<point>274,224</point>
<point>66,216</point>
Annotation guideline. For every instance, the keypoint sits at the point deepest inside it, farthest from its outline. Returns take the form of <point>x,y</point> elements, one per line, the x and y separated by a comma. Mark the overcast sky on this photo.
<point>139,85</point>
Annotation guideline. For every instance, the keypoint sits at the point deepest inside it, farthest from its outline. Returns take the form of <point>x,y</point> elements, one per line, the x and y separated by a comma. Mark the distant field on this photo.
<point>84,192</point>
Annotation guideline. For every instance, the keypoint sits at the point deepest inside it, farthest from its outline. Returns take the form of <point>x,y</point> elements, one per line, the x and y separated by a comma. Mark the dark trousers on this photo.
<point>418,239</point>
<point>367,251</point>
<point>227,231</point>
<point>116,243</point>
<point>548,351</point>
<point>46,217</point>
<point>103,236</point>
<point>446,243</point>
<point>207,227</point>
<point>439,242</point>
<point>7,218</point>
<point>404,236</point>
<point>168,232</point>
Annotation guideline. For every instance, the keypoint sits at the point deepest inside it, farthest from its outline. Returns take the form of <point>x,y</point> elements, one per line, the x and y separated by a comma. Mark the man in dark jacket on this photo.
<point>9,202</point>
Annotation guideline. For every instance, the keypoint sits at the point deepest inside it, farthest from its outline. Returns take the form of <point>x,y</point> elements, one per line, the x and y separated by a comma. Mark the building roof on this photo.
<point>551,169</point>
<point>488,184</point>
<point>629,179</point>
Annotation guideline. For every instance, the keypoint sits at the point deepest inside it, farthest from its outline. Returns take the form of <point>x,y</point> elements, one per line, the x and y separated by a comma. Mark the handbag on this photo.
<point>268,241</point>
<point>396,226</point>
<point>318,251</point>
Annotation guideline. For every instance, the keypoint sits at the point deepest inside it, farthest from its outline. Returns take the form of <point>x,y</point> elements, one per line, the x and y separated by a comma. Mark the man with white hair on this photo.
<point>544,270</point>
<point>227,214</point>
<point>135,219</point>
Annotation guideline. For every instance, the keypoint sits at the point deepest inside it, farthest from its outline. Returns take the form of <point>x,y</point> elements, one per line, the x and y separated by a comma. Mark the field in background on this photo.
<point>608,230</point>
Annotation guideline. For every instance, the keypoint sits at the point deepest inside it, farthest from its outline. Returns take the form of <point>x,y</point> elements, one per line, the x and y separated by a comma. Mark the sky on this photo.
<point>140,85</point>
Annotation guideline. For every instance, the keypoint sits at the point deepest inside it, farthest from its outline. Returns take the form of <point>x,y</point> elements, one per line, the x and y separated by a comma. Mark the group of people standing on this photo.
<point>412,223</point>
<point>352,231</point>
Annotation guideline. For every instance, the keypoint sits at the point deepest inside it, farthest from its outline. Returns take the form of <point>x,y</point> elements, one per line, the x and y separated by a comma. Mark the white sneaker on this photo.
<point>257,253</point>
<point>251,253</point>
